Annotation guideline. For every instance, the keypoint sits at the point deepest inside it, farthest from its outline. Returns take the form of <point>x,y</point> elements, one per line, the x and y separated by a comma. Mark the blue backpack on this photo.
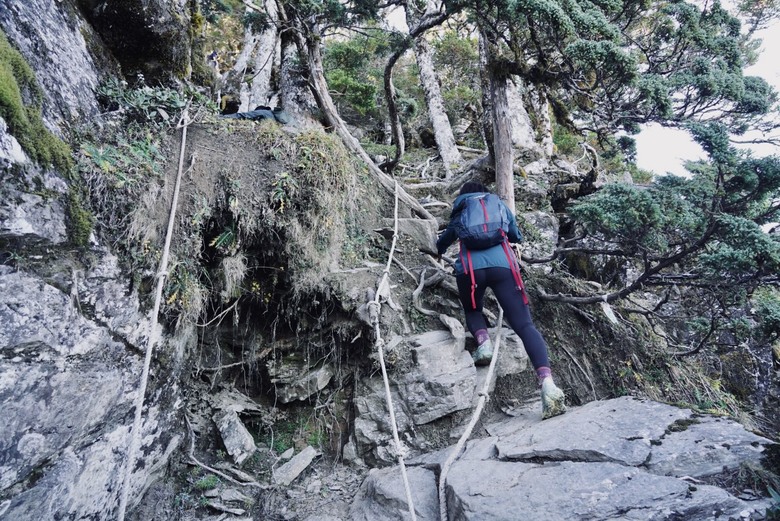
<point>483,222</point>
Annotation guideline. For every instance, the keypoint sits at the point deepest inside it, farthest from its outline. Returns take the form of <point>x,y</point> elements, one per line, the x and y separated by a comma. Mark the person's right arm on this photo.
<point>513,234</point>
<point>449,235</point>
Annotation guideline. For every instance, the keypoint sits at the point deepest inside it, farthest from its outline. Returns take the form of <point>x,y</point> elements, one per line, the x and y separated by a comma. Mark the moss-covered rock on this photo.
<point>20,107</point>
<point>80,220</point>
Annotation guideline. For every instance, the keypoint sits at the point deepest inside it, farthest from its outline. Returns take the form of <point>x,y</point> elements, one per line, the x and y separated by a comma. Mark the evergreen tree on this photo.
<point>700,240</point>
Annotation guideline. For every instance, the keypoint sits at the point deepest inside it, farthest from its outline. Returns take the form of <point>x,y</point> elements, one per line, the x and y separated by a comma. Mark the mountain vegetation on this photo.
<point>657,286</point>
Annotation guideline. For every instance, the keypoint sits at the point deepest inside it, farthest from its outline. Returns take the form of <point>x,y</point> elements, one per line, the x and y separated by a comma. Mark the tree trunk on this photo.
<point>503,151</point>
<point>541,107</point>
<point>442,129</point>
<point>294,90</point>
<point>428,20</point>
<point>233,78</point>
<point>392,109</point>
<point>307,39</point>
<point>260,90</point>
<point>487,101</point>
<point>497,121</point>
<point>387,139</point>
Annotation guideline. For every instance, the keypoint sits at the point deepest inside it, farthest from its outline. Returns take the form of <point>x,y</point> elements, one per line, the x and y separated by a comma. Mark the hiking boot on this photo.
<point>553,399</point>
<point>483,354</point>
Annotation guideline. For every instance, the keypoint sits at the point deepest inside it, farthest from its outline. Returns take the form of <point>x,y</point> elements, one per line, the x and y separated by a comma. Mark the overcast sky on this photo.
<point>663,150</point>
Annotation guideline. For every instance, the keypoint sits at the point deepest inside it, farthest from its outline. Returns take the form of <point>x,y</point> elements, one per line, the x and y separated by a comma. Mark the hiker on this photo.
<point>496,267</point>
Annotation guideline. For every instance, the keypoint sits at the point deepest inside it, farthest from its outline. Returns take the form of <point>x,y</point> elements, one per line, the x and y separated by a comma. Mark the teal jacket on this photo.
<point>493,257</point>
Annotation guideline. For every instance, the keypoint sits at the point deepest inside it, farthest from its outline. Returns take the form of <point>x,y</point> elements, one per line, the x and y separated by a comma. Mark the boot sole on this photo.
<point>482,361</point>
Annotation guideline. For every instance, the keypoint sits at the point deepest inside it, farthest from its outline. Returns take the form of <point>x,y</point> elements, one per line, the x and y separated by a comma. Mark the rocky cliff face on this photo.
<point>61,48</point>
<point>73,332</point>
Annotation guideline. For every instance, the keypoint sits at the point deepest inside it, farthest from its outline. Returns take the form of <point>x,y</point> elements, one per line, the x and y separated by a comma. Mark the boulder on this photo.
<point>632,426</point>
<point>420,233</point>
<point>373,431</point>
<point>237,440</point>
<point>512,358</point>
<point>704,446</point>
<point>504,491</point>
<point>547,225</point>
<point>442,379</point>
<point>382,496</point>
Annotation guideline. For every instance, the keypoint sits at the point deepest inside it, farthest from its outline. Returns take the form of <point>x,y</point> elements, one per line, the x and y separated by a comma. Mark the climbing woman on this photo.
<point>485,226</point>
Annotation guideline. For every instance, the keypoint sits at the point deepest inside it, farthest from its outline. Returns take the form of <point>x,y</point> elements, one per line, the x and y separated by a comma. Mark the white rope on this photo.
<point>135,434</point>
<point>483,396</point>
<point>375,319</point>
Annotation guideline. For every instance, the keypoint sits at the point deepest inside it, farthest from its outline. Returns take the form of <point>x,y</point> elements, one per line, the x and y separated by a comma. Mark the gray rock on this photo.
<point>546,224</point>
<point>617,430</point>
<point>10,150</point>
<point>588,464</point>
<point>31,201</point>
<point>296,380</point>
<point>231,494</point>
<point>67,382</point>
<point>373,432</point>
<point>382,496</point>
<point>286,455</point>
<point>216,505</point>
<point>229,398</point>
<point>53,43</point>
<point>705,447</point>
<point>349,453</point>
<point>442,380</point>
<point>237,439</point>
<point>104,292</point>
<point>287,473</point>
<point>496,490</point>
<point>632,424</point>
<point>512,358</point>
<point>421,233</point>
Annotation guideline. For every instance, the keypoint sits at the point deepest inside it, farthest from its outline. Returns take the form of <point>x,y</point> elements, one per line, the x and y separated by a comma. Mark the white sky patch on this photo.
<point>661,150</point>
<point>664,150</point>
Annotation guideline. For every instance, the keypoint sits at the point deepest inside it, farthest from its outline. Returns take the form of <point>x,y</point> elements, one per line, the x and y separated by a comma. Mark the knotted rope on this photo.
<point>135,433</point>
<point>483,396</point>
<point>373,310</point>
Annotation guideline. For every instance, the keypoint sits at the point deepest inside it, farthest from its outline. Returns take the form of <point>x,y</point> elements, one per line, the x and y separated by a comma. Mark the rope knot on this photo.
<point>373,311</point>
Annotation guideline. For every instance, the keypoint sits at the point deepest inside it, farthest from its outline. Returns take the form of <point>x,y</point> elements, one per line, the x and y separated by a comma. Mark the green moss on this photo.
<point>80,220</point>
<point>20,101</point>
<point>681,425</point>
<point>201,73</point>
<point>207,482</point>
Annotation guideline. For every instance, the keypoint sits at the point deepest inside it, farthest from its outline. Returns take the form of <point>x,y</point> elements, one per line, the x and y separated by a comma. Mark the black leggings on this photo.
<point>516,312</point>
